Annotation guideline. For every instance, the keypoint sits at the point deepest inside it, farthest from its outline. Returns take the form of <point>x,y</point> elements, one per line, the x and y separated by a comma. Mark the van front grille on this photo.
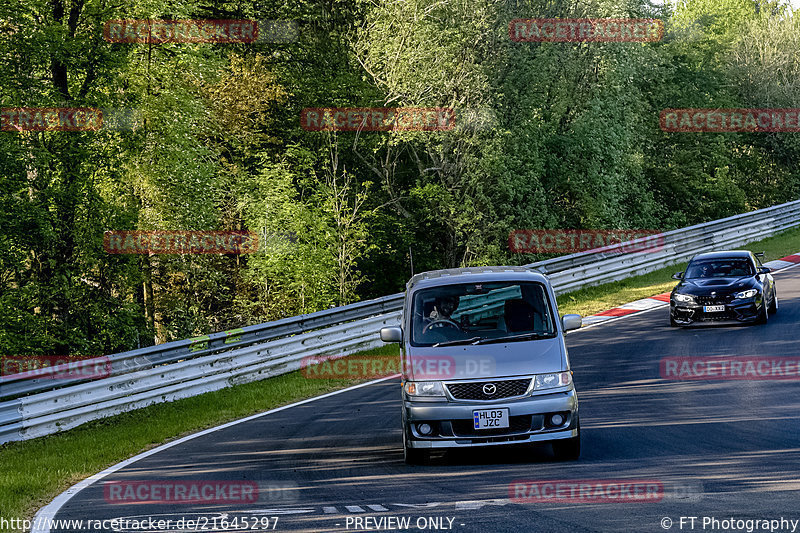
<point>477,390</point>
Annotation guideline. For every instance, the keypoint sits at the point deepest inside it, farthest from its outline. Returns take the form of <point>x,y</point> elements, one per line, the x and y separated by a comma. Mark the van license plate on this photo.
<point>713,308</point>
<point>490,418</point>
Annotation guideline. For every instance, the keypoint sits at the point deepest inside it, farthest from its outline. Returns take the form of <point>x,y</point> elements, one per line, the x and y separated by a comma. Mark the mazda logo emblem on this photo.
<point>489,389</point>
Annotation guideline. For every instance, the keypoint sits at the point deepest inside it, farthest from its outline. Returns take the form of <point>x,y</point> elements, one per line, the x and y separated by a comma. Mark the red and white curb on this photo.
<point>645,304</point>
<point>660,300</point>
<point>784,262</point>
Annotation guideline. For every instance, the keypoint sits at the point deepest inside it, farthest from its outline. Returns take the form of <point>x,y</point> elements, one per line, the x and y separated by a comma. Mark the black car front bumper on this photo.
<point>742,310</point>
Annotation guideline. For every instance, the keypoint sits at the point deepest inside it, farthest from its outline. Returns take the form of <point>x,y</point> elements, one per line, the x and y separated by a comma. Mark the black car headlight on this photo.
<point>683,297</point>
<point>749,293</point>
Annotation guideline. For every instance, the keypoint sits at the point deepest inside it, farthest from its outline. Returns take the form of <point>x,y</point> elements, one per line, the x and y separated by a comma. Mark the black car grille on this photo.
<point>712,317</point>
<point>714,300</point>
<point>474,390</point>
<point>516,424</point>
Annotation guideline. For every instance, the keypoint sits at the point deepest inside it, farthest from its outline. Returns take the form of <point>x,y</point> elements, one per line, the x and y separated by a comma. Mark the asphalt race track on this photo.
<point>722,448</point>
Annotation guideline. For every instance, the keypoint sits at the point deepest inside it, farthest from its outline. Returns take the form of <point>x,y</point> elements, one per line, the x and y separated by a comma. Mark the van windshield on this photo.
<point>475,312</point>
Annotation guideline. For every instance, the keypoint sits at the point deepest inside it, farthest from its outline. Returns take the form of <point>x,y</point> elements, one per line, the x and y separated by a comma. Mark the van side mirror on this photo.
<point>677,275</point>
<point>391,334</point>
<point>570,322</point>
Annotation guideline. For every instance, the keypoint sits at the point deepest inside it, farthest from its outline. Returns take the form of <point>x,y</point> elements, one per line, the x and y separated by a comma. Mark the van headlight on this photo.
<point>551,381</point>
<point>683,297</point>
<point>749,293</point>
<point>424,388</point>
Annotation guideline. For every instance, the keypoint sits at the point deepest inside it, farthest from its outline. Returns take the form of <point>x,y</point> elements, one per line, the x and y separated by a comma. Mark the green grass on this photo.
<point>592,300</point>
<point>33,472</point>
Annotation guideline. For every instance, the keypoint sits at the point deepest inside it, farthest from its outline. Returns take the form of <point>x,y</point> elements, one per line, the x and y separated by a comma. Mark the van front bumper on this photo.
<point>529,421</point>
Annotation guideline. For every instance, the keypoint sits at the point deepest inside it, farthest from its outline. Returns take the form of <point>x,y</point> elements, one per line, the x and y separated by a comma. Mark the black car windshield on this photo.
<point>474,312</point>
<point>719,268</point>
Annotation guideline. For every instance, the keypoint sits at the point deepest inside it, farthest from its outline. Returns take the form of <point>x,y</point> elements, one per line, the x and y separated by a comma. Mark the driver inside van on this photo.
<point>443,308</point>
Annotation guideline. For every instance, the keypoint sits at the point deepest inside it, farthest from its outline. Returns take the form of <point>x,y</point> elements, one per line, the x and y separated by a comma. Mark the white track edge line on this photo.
<point>43,518</point>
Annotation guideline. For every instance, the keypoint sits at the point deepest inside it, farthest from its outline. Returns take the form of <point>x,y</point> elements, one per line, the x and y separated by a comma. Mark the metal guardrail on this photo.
<point>144,358</point>
<point>35,407</point>
<point>584,269</point>
<point>24,397</point>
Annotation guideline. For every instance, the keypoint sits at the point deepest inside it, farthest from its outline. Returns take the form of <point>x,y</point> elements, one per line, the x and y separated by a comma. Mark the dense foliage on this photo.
<point>550,135</point>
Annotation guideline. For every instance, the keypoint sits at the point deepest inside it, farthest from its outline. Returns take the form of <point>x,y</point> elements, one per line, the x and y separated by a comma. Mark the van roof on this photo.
<point>471,274</point>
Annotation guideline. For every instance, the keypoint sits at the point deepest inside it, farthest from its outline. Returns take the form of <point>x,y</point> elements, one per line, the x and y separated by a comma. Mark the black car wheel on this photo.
<point>773,305</point>
<point>763,317</point>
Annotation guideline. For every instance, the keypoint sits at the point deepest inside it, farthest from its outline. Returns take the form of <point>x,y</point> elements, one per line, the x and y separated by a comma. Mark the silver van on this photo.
<point>484,362</point>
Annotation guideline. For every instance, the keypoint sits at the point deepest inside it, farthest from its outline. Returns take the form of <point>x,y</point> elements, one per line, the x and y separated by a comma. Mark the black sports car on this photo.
<point>720,287</point>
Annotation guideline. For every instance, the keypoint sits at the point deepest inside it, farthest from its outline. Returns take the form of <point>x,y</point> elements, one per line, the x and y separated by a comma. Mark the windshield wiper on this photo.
<point>460,341</point>
<point>514,338</point>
